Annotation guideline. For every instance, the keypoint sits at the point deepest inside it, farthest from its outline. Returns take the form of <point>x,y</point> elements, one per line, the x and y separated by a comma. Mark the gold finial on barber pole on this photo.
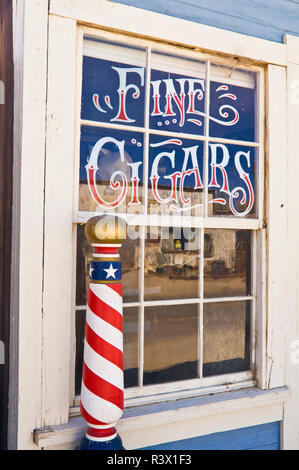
<point>106,229</point>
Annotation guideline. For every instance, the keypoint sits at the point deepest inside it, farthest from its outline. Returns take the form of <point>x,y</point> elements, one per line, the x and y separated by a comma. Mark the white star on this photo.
<point>90,271</point>
<point>110,272</point>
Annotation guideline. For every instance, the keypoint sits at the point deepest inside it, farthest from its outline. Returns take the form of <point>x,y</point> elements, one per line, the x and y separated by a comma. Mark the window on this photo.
<point>173,143</point>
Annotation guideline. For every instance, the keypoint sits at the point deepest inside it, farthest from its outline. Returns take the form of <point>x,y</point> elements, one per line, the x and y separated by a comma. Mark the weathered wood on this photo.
<point>290,435</point>
<point>277,235</point>
<point>58,254</point>
<point>30,54</point>
<point>104,13</point>
<point>148,425</point>
<point>6,162</point>
<point>256,18</point>
<point>263,436</point>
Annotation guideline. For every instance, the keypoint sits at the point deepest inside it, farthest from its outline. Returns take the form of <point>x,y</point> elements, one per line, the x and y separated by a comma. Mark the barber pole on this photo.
<point>102,391</point>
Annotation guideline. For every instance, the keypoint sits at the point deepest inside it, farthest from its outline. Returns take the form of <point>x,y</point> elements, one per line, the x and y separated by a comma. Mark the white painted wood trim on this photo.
<point>276,224</point>
<point>261,309</point>
<point>18,35</point>
<point>76,163</point>
<point>293,49</point>
<point>185,419</point>
<point>191,388</point>
<point>58,257</point>
<point>222,421</point>
<point>30,127</point>
<point>176,221</point>
<point>203,138</point>
<point>290,435</point>
<point>102,13</point>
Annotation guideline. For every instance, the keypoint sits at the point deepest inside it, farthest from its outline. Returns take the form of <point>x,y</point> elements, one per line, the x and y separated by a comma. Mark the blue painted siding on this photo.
<point>266,19</point>
<point>261,437</point>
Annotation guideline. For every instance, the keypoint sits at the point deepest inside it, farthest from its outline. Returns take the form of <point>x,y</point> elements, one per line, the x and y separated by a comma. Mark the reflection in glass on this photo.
<point>129,256</point>
<point>171,263</point>
<point>226,346</point>
<point>170,343</point>
<point>131,347</point>
<point>80,331</point>
<point>84,253</point>
<point>227,263</point>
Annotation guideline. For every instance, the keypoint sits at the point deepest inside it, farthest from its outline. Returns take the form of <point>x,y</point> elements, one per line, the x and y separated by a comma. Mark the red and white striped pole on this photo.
<point>102,391</point>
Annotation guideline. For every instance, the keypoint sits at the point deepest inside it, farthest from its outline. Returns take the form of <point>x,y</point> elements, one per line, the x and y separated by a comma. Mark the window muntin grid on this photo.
<point>217,277</point>
<point>151,132</point>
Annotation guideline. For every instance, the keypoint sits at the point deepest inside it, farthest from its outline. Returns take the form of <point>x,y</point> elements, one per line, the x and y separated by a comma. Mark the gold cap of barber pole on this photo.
<point>106,229</point>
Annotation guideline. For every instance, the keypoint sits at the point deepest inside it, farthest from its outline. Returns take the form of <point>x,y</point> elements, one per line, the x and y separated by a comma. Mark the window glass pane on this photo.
<point>80,330</point>
<point>226,345</point>
<point>113,88</point>
<point>84,252</point>
<point>114,162</point>
<point>232,180</point>
<point>111,170</point>
<point>171,263</point>
<point>177,94</point>
<point>227,263</point>
<point>175,176</point>
<point>130,258</point>
<point>131,347</point>
<point>233,103</point>
<point>170,343</point>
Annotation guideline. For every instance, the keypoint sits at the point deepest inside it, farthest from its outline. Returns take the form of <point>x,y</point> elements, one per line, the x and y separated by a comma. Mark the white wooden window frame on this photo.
<point>142,394</point>
<point>49,56</point>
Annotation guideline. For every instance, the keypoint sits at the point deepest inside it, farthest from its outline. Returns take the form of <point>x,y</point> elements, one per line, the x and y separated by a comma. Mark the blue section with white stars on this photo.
<point>105,271</point>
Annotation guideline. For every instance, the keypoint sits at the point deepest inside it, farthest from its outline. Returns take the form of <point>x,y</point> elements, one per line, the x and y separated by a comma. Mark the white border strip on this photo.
<point>167,28</point>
